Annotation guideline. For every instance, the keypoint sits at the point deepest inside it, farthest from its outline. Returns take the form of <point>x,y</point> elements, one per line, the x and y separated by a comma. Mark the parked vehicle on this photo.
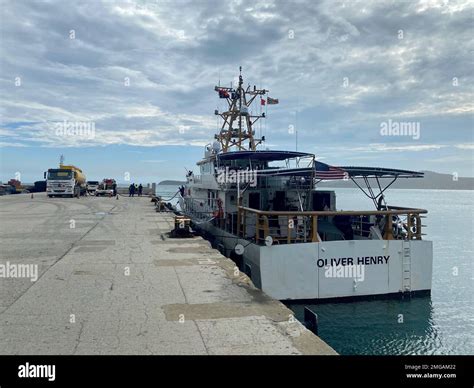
<point>6,189</point>
<point>106,187</point>
<point>92,187</point>
<point>67,181</point>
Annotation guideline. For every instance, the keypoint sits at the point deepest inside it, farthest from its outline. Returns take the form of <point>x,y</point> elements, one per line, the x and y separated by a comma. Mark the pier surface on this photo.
<point>111,281</point>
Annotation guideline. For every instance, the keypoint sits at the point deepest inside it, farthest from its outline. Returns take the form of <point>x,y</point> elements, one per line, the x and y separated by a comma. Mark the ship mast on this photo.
<point>238,122</point>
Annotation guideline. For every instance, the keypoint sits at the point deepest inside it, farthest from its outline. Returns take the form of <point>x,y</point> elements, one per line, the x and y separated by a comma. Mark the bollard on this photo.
<point>182,227</point>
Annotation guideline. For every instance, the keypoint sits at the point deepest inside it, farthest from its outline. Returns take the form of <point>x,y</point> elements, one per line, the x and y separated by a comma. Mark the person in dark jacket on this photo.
<point>140,190</point>
<point>131,190</point>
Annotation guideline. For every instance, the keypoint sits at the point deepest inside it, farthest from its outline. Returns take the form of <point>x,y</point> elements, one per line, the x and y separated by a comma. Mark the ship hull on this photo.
<point>347,269</point>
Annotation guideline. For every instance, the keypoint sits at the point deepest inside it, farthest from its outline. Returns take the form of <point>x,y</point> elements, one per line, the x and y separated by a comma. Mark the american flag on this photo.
<point>326,172</point>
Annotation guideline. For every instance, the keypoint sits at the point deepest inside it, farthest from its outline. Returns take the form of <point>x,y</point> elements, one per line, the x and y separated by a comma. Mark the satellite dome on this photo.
<point>216,146</point>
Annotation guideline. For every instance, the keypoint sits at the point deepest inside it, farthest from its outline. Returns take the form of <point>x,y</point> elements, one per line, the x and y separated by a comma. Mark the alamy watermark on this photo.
<point>226,175</point>
<point>37,371</point>
<point>82,129</point>
<point>356,271</point>
<point>148,5</point>
<point>400,128</point>
<point>9,270</point>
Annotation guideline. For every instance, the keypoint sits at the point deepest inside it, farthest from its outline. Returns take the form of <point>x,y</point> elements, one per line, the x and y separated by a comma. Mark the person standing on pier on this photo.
<point>140,190</point>
<point>131,190</point>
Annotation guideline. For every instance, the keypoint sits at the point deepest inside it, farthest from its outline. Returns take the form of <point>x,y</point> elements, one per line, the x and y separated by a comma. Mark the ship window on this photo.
<point>254,201</point>
<point>279,201</point>
<point>211,196</point>
<point>206,168</point>
<point>59,174</point>
<point>321,201</point>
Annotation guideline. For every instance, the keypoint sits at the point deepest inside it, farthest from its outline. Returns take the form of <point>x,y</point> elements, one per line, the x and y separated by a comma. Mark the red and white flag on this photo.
<point>262,101</point>
<point>272,101</point>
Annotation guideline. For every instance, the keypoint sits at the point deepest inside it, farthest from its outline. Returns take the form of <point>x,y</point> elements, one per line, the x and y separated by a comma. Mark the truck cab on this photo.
<point>65,181</point>
<point>92,187</point>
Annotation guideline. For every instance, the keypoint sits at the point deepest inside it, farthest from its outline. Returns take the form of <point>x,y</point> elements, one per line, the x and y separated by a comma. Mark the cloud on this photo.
<point>143,71</point>
<point>399,148</point>
<point>465,146</point>
<point>375,148</point>
<point>11,144</point>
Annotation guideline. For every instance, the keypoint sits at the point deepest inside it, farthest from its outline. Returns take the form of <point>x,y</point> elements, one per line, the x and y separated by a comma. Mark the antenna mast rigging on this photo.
<point>239,100</point>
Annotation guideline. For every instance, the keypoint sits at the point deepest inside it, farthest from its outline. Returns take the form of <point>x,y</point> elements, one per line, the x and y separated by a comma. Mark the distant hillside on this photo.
<point>171,183</point>
<point>431,180</point>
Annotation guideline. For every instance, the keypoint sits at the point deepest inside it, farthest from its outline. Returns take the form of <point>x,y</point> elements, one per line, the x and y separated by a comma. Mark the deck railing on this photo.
<point>285,227</point>
<point>195,178</point>
<point>200,208</point>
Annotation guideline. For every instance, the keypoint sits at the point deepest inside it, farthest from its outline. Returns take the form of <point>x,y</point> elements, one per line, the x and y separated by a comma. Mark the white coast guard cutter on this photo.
<point>264,210</point>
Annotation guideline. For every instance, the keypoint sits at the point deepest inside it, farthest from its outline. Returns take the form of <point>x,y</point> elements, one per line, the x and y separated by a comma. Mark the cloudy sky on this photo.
<point>140,76</point>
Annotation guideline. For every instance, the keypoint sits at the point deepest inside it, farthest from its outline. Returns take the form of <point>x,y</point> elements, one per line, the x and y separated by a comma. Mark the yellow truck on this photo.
<point>67,181</point>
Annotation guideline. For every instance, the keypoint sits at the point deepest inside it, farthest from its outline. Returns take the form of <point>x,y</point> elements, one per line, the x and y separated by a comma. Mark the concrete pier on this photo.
<point>111,281</point>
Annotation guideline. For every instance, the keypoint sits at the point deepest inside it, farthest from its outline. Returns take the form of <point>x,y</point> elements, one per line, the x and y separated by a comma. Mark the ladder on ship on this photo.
<point>406,266</point>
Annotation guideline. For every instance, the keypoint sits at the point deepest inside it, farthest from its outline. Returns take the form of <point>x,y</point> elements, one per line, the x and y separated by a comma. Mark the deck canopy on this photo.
<point>266,155</point>
<point>380,172</point>
<point>371,174</point>
<point>301,172</point>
